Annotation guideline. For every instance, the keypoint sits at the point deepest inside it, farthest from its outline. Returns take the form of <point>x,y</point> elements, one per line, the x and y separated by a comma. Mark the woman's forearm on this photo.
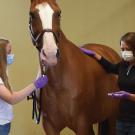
<point>18,96</point>
<point>15,97</point>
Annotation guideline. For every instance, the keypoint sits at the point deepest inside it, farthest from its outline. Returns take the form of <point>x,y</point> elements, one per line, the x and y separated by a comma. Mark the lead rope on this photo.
<point>36,110</point>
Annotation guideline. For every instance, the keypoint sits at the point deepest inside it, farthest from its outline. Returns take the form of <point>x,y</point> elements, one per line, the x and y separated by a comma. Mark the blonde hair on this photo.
<point>3,61</point>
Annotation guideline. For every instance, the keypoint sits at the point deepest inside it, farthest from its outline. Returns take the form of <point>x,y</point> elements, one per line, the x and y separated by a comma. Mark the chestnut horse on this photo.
<point>76,93</point>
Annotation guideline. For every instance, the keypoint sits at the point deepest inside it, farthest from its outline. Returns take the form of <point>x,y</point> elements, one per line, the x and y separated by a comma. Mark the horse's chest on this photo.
<point>60,108</point>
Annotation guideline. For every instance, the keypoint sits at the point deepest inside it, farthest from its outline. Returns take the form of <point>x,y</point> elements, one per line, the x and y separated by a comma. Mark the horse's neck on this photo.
<point>67,50</point>
<point>66,46</point>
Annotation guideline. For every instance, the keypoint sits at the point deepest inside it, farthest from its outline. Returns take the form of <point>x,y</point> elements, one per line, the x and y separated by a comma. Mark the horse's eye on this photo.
<point>32,15</point>
<point>58,14</point>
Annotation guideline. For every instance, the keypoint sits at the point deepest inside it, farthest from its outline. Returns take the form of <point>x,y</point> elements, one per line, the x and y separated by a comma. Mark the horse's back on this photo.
<point>102,82</point>
<point>104,51</point>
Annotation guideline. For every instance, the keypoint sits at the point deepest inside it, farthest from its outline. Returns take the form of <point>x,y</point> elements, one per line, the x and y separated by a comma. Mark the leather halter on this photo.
<point>35,39</point>
<point>36,112</point>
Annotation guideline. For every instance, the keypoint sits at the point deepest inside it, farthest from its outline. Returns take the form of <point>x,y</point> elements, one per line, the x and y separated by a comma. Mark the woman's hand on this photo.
<point>41,82</point>
<point>91,53</point>
<point>88,52</point>
<point>119,94</point>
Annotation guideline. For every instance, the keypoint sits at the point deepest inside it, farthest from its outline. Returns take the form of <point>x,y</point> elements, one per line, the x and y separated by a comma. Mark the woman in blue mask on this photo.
<point>7,96</point>
<point>125,70</point>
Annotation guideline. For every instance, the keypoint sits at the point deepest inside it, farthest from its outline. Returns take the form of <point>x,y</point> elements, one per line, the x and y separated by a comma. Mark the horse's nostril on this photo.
<point>43,53</point>
<point>58,53</point>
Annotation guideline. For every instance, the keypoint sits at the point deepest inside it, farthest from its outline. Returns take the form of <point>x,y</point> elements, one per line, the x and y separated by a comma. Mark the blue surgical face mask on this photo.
<point>10,59</point>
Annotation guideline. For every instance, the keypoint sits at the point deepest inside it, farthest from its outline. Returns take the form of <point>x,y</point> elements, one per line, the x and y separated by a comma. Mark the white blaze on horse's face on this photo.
<point>49,50</point>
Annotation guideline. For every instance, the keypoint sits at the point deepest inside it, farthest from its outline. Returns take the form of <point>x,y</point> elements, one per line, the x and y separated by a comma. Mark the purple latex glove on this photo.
<point>88,52</point>
<point>119,94</point>
<point>41,81</point>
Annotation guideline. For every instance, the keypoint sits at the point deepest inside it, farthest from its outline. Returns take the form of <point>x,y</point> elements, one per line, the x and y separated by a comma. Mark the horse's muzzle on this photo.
<point>49,58</point>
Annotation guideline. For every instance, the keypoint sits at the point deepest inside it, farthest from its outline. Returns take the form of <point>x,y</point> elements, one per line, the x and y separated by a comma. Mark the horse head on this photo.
<point>44,25</point>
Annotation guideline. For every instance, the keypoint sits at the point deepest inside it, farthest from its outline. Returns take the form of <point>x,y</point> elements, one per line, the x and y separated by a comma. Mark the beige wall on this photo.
<point>83,21</point>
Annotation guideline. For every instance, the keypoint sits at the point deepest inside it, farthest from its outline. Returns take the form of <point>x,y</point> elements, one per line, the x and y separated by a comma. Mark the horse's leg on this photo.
<point>49,129</point>
<point>112,126</point>
<point>83,127</point>
<point>85,130</point>
<point>91,130</point>
<point>103,128</point>
<point>107,127</point>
